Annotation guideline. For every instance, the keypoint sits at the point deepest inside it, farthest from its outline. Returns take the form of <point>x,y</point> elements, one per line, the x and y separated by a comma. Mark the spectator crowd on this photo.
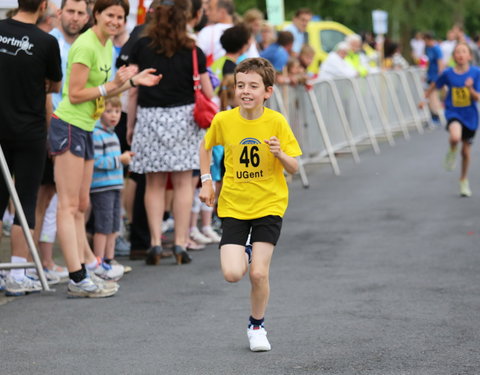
<point>133,190</point>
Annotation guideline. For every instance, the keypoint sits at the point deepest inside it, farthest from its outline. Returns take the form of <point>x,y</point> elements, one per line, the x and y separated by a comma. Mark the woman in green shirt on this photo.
<point>70,134</point>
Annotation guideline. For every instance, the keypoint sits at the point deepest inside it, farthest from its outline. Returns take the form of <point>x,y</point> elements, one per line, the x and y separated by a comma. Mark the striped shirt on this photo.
<point>108,170</point>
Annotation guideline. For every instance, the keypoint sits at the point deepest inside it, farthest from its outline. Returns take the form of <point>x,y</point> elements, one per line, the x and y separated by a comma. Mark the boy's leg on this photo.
<point>110,245</point>
<point>455,136</point>
<point>259,277</point>
<point>466,146</point>
<point>234,262</point>
<point>100,244</point>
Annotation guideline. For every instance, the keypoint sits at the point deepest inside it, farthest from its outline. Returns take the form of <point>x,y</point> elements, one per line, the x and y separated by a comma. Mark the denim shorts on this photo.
<point>63,136</point>
<point>106,211</point>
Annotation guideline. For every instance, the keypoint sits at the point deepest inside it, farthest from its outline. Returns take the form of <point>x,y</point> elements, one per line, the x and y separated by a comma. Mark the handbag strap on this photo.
<point>196,77</point>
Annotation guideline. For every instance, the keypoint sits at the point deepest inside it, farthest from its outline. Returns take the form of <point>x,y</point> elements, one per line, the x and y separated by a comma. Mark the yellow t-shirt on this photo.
<point>254,185</point>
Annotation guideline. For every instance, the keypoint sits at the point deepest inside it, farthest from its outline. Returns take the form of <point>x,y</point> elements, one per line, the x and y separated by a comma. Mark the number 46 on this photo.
<point>254,157</point>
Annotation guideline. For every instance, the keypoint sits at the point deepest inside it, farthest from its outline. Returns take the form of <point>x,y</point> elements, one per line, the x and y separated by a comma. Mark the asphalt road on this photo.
<point>377,272</point>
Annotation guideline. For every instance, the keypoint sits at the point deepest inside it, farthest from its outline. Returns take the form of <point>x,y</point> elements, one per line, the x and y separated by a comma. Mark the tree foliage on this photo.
<point>405,16</point>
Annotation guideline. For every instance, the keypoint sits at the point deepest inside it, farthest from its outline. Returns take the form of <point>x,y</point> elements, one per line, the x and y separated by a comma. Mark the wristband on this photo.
<point>103,90</point>
<point>205,177</point>
<point>132,83</point>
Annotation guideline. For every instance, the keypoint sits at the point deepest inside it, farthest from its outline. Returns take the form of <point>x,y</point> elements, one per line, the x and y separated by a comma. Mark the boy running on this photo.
<point>463,82</point>
<point>259,145</point>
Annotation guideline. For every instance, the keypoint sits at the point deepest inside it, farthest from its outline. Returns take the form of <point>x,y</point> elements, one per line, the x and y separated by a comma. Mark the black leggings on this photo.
<point>26,160</point>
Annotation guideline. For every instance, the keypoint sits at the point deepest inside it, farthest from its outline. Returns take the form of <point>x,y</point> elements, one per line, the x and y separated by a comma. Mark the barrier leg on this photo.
<point>283,110</point>
<point>324,133</point>
<point>23,222</point>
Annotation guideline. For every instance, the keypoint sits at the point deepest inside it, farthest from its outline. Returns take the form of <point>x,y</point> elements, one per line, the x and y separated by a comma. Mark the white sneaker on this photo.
<point>211,234</point>
<point>88,289</point>
<point>168,225</point>
<point>258,340</point>
<point>51,278</point>
<point>199,237</point>
<point>2,282</point>
<point>60,272</point>
<point>17,288</point>
<point>109,271</point>
<point>104,284</point>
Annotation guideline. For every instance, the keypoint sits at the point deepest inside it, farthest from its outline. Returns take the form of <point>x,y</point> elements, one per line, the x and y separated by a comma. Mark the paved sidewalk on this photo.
<point>377,272</point>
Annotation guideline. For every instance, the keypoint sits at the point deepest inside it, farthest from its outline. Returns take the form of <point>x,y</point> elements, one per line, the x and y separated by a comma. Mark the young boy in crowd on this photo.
<point>259,145</point>
<point>105,189</point>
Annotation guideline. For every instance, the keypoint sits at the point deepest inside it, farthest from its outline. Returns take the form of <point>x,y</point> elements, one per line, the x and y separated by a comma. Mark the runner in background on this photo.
<point>463,82</point>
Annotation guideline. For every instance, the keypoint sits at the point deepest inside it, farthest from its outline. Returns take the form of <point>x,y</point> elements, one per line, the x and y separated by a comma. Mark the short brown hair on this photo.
<point>114,101</point>
<point>258,65</point>
<point>30,6</point>
<point>101,5</point>
<point>301,11</point>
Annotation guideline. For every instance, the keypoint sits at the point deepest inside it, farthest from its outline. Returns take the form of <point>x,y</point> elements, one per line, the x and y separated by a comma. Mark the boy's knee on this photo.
<point>232,276</point>
<point>258,277</point>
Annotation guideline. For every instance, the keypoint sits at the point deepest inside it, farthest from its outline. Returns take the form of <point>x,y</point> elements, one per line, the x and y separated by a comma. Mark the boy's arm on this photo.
<point>289,163</point>
<point>469,83</point>
<point>207,194</point>
<point>102,161</point>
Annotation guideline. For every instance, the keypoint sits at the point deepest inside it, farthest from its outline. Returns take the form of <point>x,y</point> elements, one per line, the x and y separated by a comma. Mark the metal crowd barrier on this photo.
<point>331,117</point>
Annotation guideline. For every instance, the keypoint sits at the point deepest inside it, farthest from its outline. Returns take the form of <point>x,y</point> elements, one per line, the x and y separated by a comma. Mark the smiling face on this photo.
<point>110,20</point>
<point>251,93</point>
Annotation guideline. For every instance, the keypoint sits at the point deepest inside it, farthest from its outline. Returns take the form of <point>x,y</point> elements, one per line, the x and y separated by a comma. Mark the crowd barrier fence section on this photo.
<point>330,117</point>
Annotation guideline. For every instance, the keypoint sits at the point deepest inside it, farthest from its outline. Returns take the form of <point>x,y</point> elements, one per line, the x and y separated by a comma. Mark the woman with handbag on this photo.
<point>161,127</point>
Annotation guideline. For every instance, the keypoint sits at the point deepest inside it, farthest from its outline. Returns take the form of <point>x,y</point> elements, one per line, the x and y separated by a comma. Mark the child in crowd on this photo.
<point>463,82</point>
<point>259,145</point>
<point>295,71</point>
<point>105,189</point>
<point>305,57</point>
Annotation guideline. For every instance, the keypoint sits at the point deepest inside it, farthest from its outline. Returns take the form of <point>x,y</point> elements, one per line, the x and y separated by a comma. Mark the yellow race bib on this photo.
<point>99,107</point>
<point>252,162</point>
<point>461,97</point>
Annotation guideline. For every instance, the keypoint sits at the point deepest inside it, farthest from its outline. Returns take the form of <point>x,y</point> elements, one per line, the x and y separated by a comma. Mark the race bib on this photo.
<point>99,107</point>
<point>252,162</point>
<point>461,97</point>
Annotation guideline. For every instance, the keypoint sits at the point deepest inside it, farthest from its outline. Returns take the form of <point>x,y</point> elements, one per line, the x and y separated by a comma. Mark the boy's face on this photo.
<point>250,91</point>
<point>111,115</point>
<point>461,54</point>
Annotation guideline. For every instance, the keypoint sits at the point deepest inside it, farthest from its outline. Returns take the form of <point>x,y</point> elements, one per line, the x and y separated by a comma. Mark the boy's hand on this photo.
<point>126,157</point>
<point>469,82</point>
<point>207,194</point>
<point>274,144</point>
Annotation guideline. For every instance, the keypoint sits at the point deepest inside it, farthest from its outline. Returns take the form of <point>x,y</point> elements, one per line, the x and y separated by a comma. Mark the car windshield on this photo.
<point>330,38</point>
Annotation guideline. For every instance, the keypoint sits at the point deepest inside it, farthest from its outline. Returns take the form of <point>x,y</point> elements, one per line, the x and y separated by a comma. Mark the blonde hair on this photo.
<point>114,101</point>
<point>252,15</point>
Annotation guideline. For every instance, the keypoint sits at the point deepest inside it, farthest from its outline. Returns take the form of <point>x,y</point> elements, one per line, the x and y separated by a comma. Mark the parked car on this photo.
<point>323,36</point>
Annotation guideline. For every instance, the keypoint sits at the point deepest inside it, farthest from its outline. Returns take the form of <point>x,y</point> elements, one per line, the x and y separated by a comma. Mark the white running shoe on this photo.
<point>17,288</point>
<point>51,278</point>
<point>211,234</point>
<point>258,340</point>
<point>199,237</point>
<point>59,271</point>
<point>88,289</point>
<point>104,284</point>
<point>109,271</point>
